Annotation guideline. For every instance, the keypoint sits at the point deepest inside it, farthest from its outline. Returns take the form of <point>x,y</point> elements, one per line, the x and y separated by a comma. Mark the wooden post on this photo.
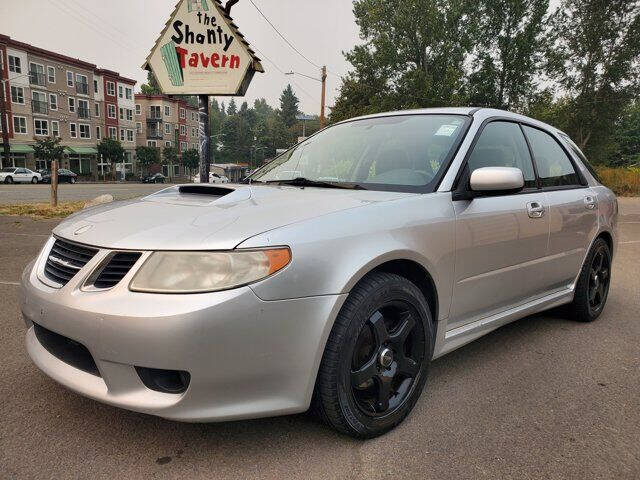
<point>205,140</point>
<point>54,183</point>
<point>323,119</point>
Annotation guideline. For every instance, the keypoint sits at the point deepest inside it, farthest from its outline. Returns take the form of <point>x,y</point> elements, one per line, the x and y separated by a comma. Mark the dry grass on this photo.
<point>42,210</point>
<point>623,181</point>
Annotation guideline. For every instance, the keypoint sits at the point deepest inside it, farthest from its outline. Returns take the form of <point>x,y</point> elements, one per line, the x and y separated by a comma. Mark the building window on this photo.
<point>19,125</point>
<point>97,109</point>
<point>138,127</point>
<point>111,89</point>
<point>129,114</point>
<point>36,74</point>
<point>193,116</point>
<point>183,146</point>
<point>82,85</point>
<point>154,111</point>
<point>85,130</point>
<point>167,128</point>
<point>167,111</point>
<point>83,108</point>
<point>17,95</point>
<point>113,133</point>
<point>39,103</point>
<point>69,79</point>
<point>41,127</point>
<point>120,91</point>
<point>121,113</point>
<point>183,113</point>
<point>98,133</point>
<point>167,143</point>
<point>73,130</point>
<point>129,93</point>
<point>138,110</point>
<point>95,86</point>
<point>129,135</point>
<point>193,132</point>
<point>151,143</point>
<point>111,111</point>
<point>55,128</point>
<point>53,101</point>
<point>122,134</point>
<point>72,104</point>
<point>194,146</point>
<point>51,74</point>
<point>183,130</point>
<point>15,64</point>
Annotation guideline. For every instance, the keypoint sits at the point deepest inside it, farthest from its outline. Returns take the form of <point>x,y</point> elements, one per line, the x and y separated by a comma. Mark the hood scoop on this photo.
<point>205,190</point>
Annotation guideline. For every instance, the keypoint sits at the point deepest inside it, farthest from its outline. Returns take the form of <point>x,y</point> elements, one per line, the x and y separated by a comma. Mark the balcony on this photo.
<point>82,88</point>
<point>83,112</point>
<point>36,78</point>
<point>154,134</point>
<point>39,107</point>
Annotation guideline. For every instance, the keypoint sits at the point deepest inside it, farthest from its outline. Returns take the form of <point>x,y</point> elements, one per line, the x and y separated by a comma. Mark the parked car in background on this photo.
<point>439,226</point>
<point>213,178</point>
<point>19,175</point>
<point>64,176</point>
<point>156,178</point>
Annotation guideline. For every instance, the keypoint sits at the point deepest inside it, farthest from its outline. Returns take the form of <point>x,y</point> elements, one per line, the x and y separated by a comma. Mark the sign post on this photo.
<point>201,52</point>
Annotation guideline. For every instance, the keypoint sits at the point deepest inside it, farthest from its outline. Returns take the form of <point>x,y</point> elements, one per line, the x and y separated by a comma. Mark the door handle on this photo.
<point>590,202</point>
<point>535,210</point>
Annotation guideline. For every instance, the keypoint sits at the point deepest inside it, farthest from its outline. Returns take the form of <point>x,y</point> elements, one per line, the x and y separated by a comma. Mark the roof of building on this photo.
<point>10,42</point>
<point>165,98</point>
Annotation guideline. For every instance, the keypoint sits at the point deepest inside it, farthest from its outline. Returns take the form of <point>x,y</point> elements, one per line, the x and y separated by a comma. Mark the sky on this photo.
<point>119,34</point>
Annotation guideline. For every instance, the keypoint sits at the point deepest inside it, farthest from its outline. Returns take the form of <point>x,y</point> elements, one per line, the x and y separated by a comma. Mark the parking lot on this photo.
<point>27,193</point>
<point>543,397</point>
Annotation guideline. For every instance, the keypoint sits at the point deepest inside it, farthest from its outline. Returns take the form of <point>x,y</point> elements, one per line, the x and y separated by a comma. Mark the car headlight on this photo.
<point>199,272</point>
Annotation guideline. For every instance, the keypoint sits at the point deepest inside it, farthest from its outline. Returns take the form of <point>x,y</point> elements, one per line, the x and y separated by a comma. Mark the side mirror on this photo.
<point>497,180</point>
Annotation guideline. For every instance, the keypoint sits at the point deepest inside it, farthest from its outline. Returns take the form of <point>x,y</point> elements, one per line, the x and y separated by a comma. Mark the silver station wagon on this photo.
<point>331,278</point>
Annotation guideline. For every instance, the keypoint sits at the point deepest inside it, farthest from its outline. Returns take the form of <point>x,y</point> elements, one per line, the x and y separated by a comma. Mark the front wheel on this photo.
<point>34,180</point>
<point>72,180</point>
<point>592,289</point>
<point>8,180</point>
<point>377,357</point>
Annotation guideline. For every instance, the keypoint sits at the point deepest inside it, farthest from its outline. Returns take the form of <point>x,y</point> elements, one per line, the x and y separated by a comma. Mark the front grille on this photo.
<point>66,260</point>
<point>67,350</point>
<point>116,269</point>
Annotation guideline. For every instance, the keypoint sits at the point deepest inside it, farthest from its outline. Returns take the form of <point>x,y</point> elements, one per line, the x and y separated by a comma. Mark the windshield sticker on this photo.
<point>446,130</point>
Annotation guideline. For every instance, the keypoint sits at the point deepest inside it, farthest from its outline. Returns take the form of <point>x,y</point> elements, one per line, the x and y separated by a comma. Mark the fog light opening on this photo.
<point>165,381</point>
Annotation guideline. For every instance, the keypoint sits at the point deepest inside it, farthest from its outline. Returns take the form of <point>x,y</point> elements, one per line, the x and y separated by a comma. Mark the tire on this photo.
<point>354,373</point>
<point>72,180</point>
<point>34,180</point>
<point>592,288</point>
<point>8,180</point>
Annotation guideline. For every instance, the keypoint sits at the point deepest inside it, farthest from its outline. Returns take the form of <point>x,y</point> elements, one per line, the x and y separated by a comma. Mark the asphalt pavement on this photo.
<point>543,397</point>
<point>27,193</point>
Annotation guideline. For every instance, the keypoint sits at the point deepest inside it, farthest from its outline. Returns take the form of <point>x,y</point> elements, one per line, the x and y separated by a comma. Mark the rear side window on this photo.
<point>581,156</point>
<point>501,144</point>
<point>554,166</point>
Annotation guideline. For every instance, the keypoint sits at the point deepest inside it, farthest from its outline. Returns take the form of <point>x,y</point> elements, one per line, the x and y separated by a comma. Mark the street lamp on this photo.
<point>323,80</point>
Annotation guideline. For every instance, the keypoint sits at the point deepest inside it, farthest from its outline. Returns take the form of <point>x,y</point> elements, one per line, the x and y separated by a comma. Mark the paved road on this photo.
<point>540,398</point>
<point>12,194</point>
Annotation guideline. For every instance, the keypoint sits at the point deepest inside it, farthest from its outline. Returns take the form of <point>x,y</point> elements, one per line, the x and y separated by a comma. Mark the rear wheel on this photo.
<point>592,289</point>
<point>8,180</point>
<point>72,180</point>
<point>377,357</point>
<point>34,180</point>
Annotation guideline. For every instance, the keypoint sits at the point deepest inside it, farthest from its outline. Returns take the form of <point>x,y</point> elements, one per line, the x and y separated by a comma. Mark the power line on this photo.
<point>282,36</point>
<point>283,72</point>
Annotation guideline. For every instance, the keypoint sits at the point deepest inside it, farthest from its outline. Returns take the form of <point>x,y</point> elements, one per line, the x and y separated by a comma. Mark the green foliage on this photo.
<point>170,155</point>
<point>111,150</point>
<point>191,159</point>
<point>151,87</point>
<point>289,106</point>
<point>147,156</point>
<point>49,149</point>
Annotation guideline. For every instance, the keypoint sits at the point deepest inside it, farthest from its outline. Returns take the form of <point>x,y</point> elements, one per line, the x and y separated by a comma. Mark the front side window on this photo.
<point>502,144</point>
<point>403,152</point>
<point>554,166</point>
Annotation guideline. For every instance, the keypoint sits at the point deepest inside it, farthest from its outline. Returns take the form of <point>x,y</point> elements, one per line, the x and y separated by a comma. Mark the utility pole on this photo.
<point>205,150</point>
<point>323,119</point>
<point>3,112</point>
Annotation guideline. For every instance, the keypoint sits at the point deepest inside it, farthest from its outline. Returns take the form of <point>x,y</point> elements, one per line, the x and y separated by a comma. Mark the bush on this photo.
<point>623,181</point>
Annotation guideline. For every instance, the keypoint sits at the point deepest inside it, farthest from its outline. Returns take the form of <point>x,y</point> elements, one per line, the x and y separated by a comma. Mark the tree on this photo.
<point>170,158</point>
<point>595,60</point>
<point>191,160</point>
<point>111,150</point>
<point>151,87</point>
<point>627,137</point>
<point>50,150</point>
<point>509,52</point>
<point>147,156</point>
<point>289,106</point>
<point>233,109</point>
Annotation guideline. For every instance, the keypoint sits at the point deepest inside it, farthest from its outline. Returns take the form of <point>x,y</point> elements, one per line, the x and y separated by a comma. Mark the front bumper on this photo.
<point>246,357</point>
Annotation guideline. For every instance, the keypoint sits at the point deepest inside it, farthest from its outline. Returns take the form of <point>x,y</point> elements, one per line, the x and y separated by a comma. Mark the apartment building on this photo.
<point>163,121</point>
<point>49,94</point>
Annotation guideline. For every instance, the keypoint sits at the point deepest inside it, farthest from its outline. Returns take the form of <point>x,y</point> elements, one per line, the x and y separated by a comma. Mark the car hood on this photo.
<point>207,217</point>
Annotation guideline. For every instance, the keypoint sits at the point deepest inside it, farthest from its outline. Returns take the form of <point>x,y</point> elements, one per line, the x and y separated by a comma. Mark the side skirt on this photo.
<point>460,336</point>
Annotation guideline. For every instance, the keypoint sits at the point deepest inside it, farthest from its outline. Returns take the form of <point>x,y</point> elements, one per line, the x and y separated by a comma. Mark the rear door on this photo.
<point>21,175</point>
<point>501,240</point>
<point>573,208</point>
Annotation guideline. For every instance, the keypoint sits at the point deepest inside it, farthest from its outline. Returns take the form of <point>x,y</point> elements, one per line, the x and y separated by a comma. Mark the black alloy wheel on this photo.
<point>377,357</point>
<point>599,276</point>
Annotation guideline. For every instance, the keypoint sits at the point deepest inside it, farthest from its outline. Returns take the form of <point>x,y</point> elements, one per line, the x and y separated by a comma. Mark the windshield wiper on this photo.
<point>305,182</point>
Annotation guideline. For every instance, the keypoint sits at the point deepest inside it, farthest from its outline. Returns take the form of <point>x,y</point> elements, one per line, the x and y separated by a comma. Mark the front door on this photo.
<point>501,240</point>
<point>573,209</point>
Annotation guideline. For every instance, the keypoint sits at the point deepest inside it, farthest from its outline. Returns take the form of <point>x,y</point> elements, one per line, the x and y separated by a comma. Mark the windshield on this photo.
<point>383,152</point>
<point>8,170</point>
